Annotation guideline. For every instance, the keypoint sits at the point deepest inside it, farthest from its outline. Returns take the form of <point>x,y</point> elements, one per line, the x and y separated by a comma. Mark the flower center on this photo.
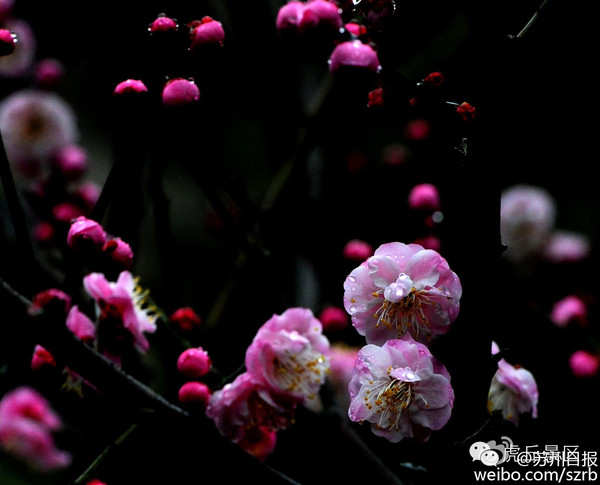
<point>302,373</point>
<point>390,402</point>
<point>404,314</point>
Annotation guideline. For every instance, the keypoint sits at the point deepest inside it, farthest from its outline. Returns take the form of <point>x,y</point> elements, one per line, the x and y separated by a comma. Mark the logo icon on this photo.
<point>491,453</point>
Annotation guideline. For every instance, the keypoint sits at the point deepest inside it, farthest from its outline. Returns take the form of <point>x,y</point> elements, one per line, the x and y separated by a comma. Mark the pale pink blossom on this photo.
<point>401,389</point>
<point>27,422</point>
<point>125,302</point>
<point>527,217</point>
<point>584,364</point>
<point>289,355</point>
<point>402,288</point>
<point>565,246</point>
<point>569,309</point>
<point>36,124</point>
<point>246,410</point>
<point>513,391</point>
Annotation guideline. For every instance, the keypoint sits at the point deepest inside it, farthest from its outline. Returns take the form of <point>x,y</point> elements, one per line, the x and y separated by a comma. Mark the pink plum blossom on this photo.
<point>584,364</point>
<point>20,62</point>
<point>333,318</point>
<point>402,288</point>
<point>71,161</point>
<point>289,355</point>
<point>513,391</point>
<point>49,73</point>
<point>341,361</point>
<point>36,124</point>
<point>27,422</point>
<point>194,362</point>
<point>85,234</point>
<point>289,16</point>
<point>180,92</point>
<point>354,54</point>
<point>357,249</point>
<point>81,325</point>
<point>527,217</point>
<point>205,32</point>
<point>8,41</point>
<point>246,410</point>
<point>401,389</point>
<point>130,87</point>
<point>321,14</point>
<point>124,302</point>
<point>119,252</point>
<point>41,358</point>
<point>569,309</point>
<point>424,197</point>
<point>194,393</point>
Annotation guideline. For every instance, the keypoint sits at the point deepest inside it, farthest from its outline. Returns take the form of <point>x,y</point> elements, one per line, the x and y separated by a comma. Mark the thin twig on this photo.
<point>529,24</point>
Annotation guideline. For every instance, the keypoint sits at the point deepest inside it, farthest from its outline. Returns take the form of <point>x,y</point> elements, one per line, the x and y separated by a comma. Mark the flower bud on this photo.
<point>163,24</point>
<point>357,250</point>
<point>49,73</point>
<point>289,16</point>
<point>66,211</point>
<point>119,252</point>
<point>71,161</point>
<point>334,318</point>
<point>8,42</point>
<point>355,55</point>
<point>206,32</point>
<point>466,111</point>
<point>130,86</point>
<point>41,358</point>
<point>194,363</point>
<point>85,234</point>
<point>194,394</point>
<point>584,364</point>
<point>180,92</point>
<point>81,325</point>
<point>321,14</point>
<point>424,197</point>
<point>186,319</point>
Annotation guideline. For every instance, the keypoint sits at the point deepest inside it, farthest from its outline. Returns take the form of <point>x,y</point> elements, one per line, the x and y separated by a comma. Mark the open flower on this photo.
<point>288,355</point>
<point>27,422</point>
<point>401,389</point>
<point>402,288</point>
<point>248,412</point>
<point>122,303</point>
<point>513,391</point>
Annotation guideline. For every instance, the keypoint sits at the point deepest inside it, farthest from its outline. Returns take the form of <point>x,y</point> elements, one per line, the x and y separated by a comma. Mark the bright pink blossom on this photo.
<point>185,318</point>
<point>205,32</point>
<point>49,73</point>
<point>180,92</point>
<point>194,362</point>
<point>246,410</point>
<point>401,389</point>
<point>333,318</point>
<point>71,161</point>
<point>354,54</point>
<point>85,234</point>
<point>513,391</point>
<point>27,422</point>
<point>424,197</point>
<point>52,297</point>
<point>130,86</point>
<point>163,24</point>
<point>81,325</point>
<point>289,16</point>
<point>357,249</point>
<point>8,41</point>
<point>194,393</point>
<point>402,288</point>
<point>119,252</point>
<point>569,309</point>
<point>122,301</point>
<point>321,14</point>
<point>584,364</point>
<point>41,358</point>
<point>288,355</point>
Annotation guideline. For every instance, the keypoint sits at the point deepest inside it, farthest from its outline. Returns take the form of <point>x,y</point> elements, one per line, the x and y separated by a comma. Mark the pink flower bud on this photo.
<point>163,24</point>
<point>569,309</point>
<point>354,54</point>
<point>584,364</point>
<point>88,193</point>
<point>41,358</point>
<point>119,251</point>
<point>80,324</point>
<point>429,242</point>
<point>289,16</point>
<point>130,86</point>
<point>95,481</point>
<point>194,394</point>
<point>51,297</point>
<point>43,233</point>
<point>418,130</point>
<point>85,234</point>
<point>321,14</point>
<point>206,32</point>
<point>71,161</point>
<point>424,197</point>
<point>186,319</point>
<point>334,318</point>
<point>435,79</point>
<point>8,42</point>
<point>49,73</point>
<point>357,250</point>
<point>357,30</point>
<point>194,363</point>
<point>180,92</point>
<point>66,212</point>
